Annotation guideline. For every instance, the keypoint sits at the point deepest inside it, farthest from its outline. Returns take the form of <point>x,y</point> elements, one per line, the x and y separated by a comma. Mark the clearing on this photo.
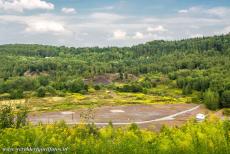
<point>144,115</point>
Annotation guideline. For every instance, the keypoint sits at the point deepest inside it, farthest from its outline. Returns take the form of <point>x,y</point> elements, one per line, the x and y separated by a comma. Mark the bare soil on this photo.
<point>131,114</point>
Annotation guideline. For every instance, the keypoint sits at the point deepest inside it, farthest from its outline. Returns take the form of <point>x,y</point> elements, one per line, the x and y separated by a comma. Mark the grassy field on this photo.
<point>161,94</point>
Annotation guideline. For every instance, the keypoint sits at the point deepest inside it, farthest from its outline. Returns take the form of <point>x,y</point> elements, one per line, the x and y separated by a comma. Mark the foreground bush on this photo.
<point>226,111</point>
<point>211,100</point>
<point>12,119</point>
<point>210,137</point>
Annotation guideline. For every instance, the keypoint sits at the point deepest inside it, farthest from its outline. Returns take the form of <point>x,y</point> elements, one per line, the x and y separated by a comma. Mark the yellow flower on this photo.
<point>16,144</point>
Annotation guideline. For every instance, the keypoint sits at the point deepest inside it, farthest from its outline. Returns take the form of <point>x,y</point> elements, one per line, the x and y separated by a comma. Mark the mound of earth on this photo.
<point>109,78</point>
<point>34,73</point>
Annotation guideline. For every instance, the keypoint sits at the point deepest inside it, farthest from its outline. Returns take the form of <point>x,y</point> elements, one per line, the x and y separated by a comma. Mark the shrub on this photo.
<point>225,99</point>
<point>76,86</point>
<point>172,76</point>
<point>9,120</point>
<point>97,87</point>
<point>226,111</point>
<point>131,88</point>
<point>43,80</point>
<point>41,92</point>
<point>51,90</point>
<point>21,117</point>
<point>187,90</point>
<point>6,117</point>
<point>211,99</point>
<point>180,82</point>
<point>193,138</point>
<point>16,94</point>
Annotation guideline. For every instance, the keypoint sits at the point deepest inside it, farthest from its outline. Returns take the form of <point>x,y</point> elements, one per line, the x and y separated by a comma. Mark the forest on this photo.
<point>199,64</point>
<point>195,71</point>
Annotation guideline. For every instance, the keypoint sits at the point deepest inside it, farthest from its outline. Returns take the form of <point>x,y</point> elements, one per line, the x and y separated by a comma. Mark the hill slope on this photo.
<point>200,64</point>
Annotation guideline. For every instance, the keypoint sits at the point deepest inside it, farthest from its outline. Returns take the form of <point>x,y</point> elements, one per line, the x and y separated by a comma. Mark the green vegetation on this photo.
<point>161,94</point>
<point>8,119</point>
<point>226,111</point>
<point>194,65</point>
<point>211,99</point>
<point>48,78</point>
<point>211,136</point>
<point>41,92</point>
<point>226,98</point>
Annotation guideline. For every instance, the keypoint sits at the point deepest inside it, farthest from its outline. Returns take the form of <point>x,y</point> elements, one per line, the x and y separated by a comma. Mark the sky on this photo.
<point>89,23</point>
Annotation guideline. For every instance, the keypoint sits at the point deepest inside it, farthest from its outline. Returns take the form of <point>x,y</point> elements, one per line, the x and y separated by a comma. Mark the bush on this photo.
<point>226,111</point>
<point>41,92</point>
<point>9,120</point>
<point>187,90</point>
<point>208,137</point>
<point>43,80</point>
<point>4,96</point>
<point>6,117</point>
<point>134,87</point>
<point>148,84</point>
<point>76,86</point>
<point>19,83</point>
<point>16,94</point>
<point>180,82</point>
<point>172,76</point>
<point>97,87</point>
<point>51,90</point>
<point>21,117</point>
<point>211,100</point>
<point>61,93</point>
<point>225,99</point>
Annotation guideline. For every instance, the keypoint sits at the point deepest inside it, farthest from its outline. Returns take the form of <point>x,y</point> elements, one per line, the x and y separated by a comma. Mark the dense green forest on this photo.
<point>199,64</point>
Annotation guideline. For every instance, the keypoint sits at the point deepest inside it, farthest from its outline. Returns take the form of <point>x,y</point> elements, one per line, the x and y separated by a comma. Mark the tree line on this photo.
<point>201,64</point>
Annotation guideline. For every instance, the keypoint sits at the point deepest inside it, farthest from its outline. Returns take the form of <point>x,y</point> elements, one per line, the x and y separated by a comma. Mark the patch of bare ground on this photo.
<point>34,73</point>
<point>127,114</point>
<point>109,78</point>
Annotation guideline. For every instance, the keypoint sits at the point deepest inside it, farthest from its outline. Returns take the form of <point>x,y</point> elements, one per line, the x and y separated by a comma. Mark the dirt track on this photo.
<point>144,115</point>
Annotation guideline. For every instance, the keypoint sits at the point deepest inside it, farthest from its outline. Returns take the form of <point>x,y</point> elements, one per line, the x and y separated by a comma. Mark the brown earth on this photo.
<point>129,114</point>
<point>108,78</point>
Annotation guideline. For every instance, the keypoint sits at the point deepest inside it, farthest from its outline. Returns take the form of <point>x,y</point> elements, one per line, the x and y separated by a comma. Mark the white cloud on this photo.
<point>119,34</point>
<point>106,16</point>
<point>202,11</point>
<point>45,26</point>
<point>159,28</point>
<point>104,9</point>
<point>110,29</point>
<point>37,24</point>
<point>21,5</point>
<point>192,10</point>
<point>109,7</point>
<point>219,11</point>
<point>68,10</point>
<point>138,35</point>
<point>183,11</point>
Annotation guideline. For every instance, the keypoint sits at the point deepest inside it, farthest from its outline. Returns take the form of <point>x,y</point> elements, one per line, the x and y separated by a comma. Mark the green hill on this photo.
<point>200,64</point>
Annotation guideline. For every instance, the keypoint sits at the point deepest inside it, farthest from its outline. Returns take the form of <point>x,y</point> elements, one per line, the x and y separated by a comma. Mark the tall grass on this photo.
<point>209,137</point>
